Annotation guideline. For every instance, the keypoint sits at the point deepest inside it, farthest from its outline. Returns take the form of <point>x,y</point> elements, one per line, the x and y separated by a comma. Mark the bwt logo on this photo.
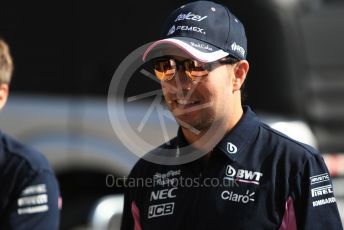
<point>242,175</point>
<point>190,16</point>
<point>231,148</point>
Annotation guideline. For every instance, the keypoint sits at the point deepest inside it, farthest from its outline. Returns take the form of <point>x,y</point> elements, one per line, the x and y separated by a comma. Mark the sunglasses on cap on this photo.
<point>166,67</point>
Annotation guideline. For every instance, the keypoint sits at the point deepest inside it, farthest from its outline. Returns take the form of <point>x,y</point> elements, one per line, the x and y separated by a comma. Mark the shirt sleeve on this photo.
<point>38,204</point>
<point>314,199</point>
<point>131,212</point>
<point>127,217</point>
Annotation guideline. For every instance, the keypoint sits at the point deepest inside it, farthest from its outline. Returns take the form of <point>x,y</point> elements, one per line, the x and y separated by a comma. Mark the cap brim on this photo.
<point>194,48</point>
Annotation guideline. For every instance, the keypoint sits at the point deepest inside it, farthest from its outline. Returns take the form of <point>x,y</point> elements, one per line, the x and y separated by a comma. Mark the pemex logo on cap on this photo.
<point>172,30</point>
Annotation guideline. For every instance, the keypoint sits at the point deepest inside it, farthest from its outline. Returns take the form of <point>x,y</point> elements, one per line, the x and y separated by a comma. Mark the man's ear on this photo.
<point>3,95</point>
<point>240,72</point>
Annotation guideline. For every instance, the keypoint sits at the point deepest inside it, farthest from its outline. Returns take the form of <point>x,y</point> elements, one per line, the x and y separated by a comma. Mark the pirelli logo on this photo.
<point>323,190</point>
<point>319,178</point>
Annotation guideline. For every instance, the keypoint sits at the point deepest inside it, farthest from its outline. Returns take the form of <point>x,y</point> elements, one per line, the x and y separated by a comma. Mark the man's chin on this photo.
<point>197,126</point>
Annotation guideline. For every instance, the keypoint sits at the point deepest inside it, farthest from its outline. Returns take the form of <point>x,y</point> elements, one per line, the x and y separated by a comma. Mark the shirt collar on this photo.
<point>234,143</point>
<point>181,141</point>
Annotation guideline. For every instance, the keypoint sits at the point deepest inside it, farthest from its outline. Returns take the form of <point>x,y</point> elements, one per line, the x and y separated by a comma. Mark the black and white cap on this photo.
<point>204,30</point>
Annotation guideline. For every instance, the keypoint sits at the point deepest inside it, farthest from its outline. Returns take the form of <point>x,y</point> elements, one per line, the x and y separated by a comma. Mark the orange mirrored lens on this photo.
<point>164,75</point>
<point>196,69</point>
<point>165,69</point>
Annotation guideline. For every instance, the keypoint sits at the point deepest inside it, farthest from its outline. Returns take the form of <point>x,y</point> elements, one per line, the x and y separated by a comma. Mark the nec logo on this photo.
<point>242,175</point>
<point>162,194</point>
<point>190,16</point>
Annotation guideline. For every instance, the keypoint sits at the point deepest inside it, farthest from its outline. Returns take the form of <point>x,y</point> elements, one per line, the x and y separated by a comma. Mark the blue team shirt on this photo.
<point>29,192</point>
<point>255,178</point>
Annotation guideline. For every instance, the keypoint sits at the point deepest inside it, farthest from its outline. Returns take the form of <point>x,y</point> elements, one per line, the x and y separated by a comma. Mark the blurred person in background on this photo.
<point>29,192</point>
<point>277,182</point>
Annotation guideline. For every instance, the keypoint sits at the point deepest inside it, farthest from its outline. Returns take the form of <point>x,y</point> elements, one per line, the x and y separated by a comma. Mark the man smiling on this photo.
<point>260,178</point>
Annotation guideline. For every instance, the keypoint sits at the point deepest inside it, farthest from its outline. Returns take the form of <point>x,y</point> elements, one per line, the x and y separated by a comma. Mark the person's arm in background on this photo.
<point>315,204</point>
<point>131,213</point>
<point>127,217</point>
<point>30,195</point>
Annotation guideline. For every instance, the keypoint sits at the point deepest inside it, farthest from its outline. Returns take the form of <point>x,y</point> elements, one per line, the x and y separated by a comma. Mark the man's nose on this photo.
<point>182,80</point>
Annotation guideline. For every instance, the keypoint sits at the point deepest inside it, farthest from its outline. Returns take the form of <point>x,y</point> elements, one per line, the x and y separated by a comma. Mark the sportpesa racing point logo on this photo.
<point>141,126</point>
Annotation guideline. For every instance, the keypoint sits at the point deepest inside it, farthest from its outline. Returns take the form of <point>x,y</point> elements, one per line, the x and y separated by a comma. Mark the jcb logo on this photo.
<point>162,194</point>
<point>160,210</point>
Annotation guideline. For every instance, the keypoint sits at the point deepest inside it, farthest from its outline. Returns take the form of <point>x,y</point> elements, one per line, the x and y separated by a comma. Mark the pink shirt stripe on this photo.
<point>289,219</point>
<point>136,215</point>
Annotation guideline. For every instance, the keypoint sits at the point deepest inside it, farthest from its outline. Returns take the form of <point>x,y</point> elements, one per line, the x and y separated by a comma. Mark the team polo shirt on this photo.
<point>255,178</point>
<point>29,192</point>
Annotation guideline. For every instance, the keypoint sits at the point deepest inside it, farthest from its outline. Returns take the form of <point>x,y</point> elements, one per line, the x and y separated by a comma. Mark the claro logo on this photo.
<point>243,175</point>
<point>239,198</point>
